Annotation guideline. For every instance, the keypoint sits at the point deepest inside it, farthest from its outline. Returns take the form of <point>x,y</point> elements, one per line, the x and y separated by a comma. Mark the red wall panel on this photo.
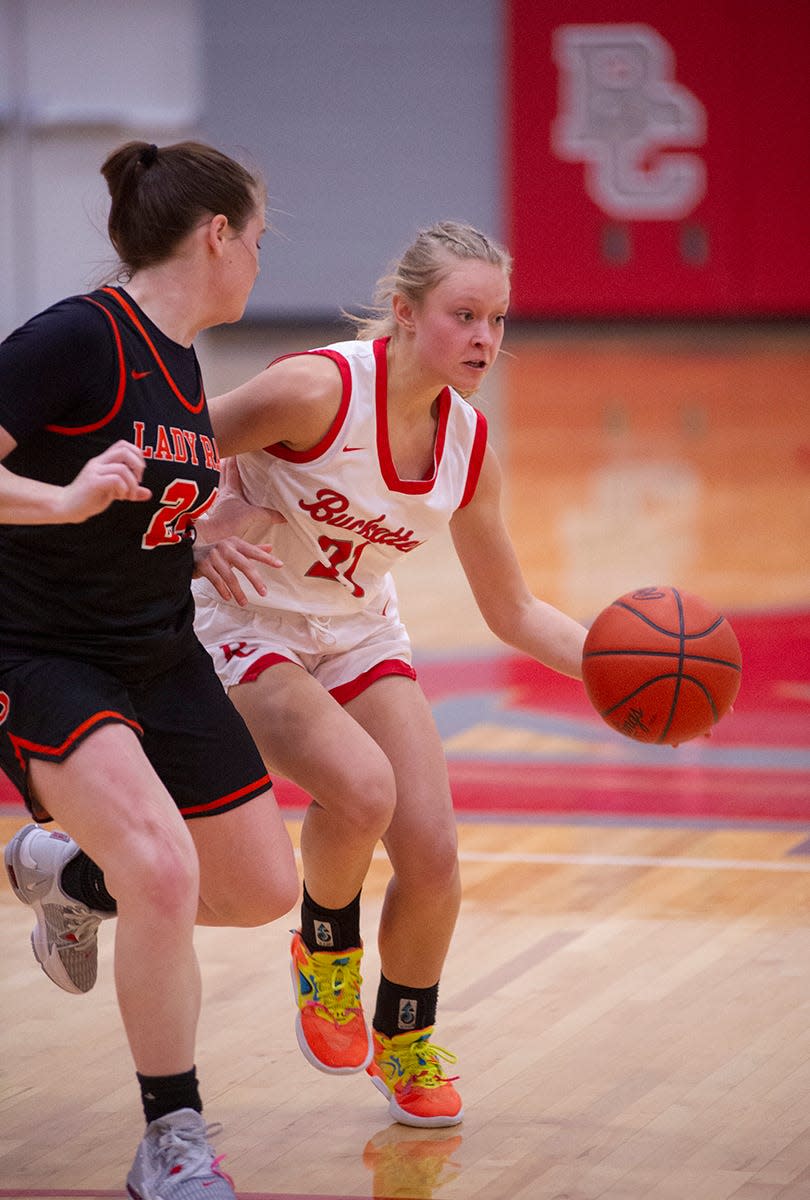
<point>659,157</point>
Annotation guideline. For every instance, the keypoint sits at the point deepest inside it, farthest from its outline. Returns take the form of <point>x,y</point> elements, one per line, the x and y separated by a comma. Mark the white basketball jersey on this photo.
<point>350,517</point>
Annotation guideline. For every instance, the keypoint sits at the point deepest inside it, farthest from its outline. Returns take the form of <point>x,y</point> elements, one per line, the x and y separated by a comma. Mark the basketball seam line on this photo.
<point>678,676</point>
<point>669,632</point>
<point>705,658</point>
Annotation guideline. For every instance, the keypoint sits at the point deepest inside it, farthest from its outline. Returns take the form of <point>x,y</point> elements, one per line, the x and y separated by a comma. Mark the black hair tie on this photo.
<point>148,155</point>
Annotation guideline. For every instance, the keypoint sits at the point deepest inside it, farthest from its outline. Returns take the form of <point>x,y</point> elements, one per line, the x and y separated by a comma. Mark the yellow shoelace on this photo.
<point>337,983</point>
<point>419,1061</point>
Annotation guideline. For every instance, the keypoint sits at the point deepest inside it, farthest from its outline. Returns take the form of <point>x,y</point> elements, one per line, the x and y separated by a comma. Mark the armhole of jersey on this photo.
<point>279,450</point>
<point>476,458</point>
<point>76,430</point>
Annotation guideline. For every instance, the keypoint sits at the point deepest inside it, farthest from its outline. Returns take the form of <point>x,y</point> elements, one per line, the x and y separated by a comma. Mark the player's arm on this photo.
<point>490,563</point>
<point>293,401</point>
<point>61,367</point>
<point>113,475</point>
<point>232,514</point>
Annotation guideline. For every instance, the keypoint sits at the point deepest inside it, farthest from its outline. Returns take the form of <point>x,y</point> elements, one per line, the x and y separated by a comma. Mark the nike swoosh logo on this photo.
<point>348,449</point>
<point>140,374</point>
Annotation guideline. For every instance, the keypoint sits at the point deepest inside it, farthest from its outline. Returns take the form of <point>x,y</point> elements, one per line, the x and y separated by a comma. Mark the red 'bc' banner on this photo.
<point>659,157</point>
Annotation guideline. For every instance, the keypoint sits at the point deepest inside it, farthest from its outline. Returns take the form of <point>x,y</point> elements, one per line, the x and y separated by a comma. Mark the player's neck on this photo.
<point>411,389</point>
<point>164,295</point>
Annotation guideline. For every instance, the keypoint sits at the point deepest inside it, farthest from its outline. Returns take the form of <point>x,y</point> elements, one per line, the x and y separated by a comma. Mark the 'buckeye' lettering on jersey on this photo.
<point>349,515</point>
<point>332,508</point>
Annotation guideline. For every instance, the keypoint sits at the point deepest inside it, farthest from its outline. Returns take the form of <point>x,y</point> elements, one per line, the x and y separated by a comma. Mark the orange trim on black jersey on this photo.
<point>222,803</point>
<point>129,310</point>
<point>74,430</point>
<point>476,458</point>
<point>57,753</point>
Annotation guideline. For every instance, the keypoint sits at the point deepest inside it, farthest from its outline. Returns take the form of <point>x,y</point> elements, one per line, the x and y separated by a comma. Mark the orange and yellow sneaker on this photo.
<point>407,1070</point>
<point>331,1026</point>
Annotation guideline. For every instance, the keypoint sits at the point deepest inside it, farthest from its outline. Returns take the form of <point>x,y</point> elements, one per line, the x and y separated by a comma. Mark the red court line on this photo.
<point>485,786</point>
<point>525,788</point>
<point>638,792</point>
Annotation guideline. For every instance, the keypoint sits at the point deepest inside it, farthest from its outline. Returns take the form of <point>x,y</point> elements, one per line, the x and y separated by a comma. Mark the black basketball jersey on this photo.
<point>115,589</point>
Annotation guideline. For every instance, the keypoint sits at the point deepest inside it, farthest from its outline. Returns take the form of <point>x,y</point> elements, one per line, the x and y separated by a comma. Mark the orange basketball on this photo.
<point>660,665</point>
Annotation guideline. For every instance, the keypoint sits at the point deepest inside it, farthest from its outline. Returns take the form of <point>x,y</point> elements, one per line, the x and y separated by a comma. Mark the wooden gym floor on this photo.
<point>628,991</point>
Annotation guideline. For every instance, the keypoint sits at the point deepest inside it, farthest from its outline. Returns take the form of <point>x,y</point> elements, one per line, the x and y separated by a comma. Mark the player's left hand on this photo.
<point>219,562</point>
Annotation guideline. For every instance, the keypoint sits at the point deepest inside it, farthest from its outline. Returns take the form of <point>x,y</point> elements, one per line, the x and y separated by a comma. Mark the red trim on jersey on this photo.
<point>74,430</point>
<point>57,753</point>
<point>279,450</point>
<point>476,458</point>
<point>345,691</point>
<point>222,803</point>
<point>352,689</point>
<point>260,665</point>
<point>129,310</point>
<point>412,487</point>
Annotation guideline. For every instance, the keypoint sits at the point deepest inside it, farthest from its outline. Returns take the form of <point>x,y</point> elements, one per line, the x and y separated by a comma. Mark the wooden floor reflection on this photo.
<point>627,992</point>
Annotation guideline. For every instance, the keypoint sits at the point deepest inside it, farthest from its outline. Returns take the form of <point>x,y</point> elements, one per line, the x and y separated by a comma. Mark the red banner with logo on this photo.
<point>659,157</point>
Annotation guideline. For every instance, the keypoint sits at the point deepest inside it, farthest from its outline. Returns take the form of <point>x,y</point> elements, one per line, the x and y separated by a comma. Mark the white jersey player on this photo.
<point>367,449</point>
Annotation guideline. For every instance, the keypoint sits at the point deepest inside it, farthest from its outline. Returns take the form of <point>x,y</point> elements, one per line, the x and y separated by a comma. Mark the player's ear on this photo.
<point>216,232</point>
<point>403,311</point>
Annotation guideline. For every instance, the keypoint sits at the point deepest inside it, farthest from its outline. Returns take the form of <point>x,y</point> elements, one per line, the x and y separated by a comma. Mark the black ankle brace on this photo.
<point>403,1009</point>
<point>330,928</point>
<point>162,1094</point>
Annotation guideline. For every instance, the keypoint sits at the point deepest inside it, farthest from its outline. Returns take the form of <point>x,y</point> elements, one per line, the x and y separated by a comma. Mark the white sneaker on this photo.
<point>65,937</point>
<point>175,1161</point>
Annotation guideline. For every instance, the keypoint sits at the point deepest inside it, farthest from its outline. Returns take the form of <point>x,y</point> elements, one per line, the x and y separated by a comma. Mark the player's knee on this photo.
<point>158,872</point>
<point>364,800</point>
<point>374,798</point>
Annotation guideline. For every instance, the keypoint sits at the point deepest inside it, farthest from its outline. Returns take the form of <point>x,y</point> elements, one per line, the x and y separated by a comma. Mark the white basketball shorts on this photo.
<point>344,653</point>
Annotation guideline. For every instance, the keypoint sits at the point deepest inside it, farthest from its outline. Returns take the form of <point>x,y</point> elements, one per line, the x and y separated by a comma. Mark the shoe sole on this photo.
<point>305,1048</point>
<point>39,935</point>
<point>405,1118</point>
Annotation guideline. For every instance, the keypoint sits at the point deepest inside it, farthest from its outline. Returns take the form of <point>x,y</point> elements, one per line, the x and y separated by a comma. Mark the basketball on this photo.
<point>660,665</point>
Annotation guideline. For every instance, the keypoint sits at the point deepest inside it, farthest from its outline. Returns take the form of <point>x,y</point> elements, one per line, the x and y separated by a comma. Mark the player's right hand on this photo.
<point>220,561</point>
<point>115,474</point>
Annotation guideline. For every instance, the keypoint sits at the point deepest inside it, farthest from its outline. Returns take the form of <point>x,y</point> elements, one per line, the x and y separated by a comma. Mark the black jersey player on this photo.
<point>112,721</point>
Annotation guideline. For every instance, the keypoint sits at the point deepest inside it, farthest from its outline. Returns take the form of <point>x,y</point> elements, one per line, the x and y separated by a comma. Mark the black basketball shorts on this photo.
<point>190,731</point>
